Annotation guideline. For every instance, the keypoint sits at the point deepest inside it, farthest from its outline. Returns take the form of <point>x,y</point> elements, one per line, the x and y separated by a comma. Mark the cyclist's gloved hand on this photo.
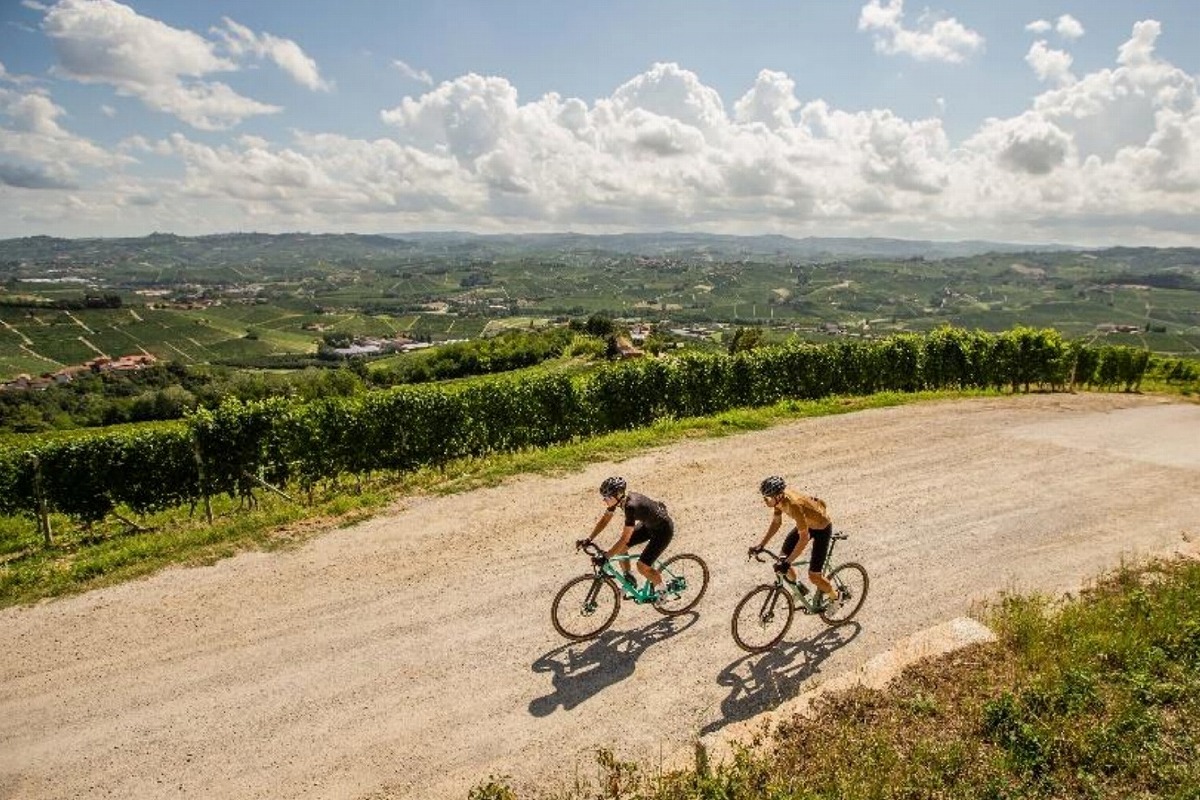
<point>581,543</point>
<point>753,551</point>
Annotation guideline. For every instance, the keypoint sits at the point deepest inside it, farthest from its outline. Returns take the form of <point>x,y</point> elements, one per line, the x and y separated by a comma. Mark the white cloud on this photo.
<point>104,42</point>
<point>1039,26</point>
<point>934,39</point>
<point>662,151</point>
<point>771,101</point>
<point>31,177</point>
<point>421,76</point>
<point>286,54</point>
<point>17,80</point>
<point>32,133</point>
<point>1050,65</point>
<point>1068,27</point>
<point>1029,144</point>
<point>1109,109</point>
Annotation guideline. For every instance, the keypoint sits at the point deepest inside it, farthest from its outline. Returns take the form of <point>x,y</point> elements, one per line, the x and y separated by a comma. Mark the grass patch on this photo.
<point>1096,697</point>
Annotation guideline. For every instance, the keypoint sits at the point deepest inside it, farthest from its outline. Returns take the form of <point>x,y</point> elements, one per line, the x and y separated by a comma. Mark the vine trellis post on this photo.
<point>208,515</point>
<point>43,515</point>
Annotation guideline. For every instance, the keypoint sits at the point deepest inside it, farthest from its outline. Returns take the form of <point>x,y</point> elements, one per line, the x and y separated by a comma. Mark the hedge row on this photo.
<point>283,441</point>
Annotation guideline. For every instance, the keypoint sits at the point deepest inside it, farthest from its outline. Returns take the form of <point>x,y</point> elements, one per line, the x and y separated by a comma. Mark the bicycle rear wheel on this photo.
<point>685,578</point>
<point>851,581</point>
<point>762,618</point>
<point>585,607</point>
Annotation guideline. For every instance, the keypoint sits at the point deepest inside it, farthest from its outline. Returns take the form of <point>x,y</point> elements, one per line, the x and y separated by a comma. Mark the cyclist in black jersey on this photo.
<point>646,520</point>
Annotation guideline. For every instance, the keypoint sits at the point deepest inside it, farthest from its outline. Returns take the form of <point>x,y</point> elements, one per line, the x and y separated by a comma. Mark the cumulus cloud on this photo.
<point>16,80</point>
<point>1050,65</point>
<point>1068,27</point>
<point>33,133</point>
<point>25,177</point>
<point>1109,109</point>
<point>286,54</point>
<point>935,38</point>
<point>420,76</point>
<point>105,42</point>
<point>770,102</point>
<point>1028,144</point>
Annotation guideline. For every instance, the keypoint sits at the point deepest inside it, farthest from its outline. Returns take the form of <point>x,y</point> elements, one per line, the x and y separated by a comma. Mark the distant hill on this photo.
<point>170,250</point>
<point>686,244</point>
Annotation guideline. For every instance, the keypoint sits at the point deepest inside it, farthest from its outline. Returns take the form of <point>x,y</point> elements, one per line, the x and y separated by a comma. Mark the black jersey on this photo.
<point>651,513</point>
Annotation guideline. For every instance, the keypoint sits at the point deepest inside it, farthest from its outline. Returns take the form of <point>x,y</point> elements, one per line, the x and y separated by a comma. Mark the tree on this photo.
<point>599,325</point>
<point>745,339</point>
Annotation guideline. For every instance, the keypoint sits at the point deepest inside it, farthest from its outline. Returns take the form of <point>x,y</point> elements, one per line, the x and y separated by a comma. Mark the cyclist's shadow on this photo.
<point>582,669</point>
<point>772,677</point>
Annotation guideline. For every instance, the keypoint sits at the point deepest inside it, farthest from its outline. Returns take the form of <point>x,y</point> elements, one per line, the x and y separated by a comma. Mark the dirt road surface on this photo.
<point>412,655</point>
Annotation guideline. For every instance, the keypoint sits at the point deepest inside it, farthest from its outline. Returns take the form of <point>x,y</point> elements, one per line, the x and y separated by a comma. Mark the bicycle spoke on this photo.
<point>851,581</point>
<point>685,579</point>
<point>585,607</point>
<point>762,618</point>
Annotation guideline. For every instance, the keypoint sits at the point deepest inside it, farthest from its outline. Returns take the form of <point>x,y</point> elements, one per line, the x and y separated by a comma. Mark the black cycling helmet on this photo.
<point>613,487</point>
<point>772,486</point>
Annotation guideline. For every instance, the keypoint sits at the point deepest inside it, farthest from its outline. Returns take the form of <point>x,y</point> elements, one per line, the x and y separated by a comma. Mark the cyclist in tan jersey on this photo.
<point>812,522</point>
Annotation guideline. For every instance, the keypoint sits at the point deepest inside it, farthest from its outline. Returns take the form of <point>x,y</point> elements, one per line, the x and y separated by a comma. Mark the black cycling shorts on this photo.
<point>658,538</point>
<point>820,546</point>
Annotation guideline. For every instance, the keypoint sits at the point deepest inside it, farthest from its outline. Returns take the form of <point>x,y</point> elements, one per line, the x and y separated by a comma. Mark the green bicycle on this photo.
<point>587,605</point>
<point>763,616</point>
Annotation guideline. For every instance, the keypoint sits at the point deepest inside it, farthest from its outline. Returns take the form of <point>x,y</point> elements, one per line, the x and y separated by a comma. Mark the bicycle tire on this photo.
<point>696,566</point>
<point>766,605</point>
<point>591,606</point>
<point>843,580</point>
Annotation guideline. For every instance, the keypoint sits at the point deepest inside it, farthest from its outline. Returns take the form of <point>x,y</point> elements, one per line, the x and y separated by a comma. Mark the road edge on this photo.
<point>876,673</point>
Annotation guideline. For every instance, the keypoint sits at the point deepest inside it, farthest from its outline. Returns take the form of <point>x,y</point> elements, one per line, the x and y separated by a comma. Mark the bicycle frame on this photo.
<point>611,568</point>
<point>810,601</point>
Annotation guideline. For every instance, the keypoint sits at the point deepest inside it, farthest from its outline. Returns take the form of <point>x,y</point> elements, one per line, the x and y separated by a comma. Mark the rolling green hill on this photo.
<point>247,296</point>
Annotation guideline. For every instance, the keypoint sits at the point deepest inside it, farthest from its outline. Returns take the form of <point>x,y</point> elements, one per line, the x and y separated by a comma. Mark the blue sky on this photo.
<point>1071,122</point>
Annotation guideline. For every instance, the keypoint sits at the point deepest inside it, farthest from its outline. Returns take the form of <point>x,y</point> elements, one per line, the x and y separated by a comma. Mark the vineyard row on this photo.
<point>235,447</point>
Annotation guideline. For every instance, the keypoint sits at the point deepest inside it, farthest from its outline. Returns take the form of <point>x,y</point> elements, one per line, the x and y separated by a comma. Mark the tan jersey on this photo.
<point>809,512</point>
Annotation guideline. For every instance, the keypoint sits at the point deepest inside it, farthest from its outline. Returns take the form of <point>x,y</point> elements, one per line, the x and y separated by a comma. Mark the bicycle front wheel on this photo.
<point>685,579</point>
<point>585,607</point>
<point>851,581</point>
<point>762,618</point>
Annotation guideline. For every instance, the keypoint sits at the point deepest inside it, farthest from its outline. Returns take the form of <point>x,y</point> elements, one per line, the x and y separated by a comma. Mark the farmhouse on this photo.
<point>68,374</point>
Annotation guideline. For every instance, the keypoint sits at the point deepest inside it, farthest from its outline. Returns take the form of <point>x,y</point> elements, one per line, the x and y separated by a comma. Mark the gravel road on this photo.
<point>412,655</point>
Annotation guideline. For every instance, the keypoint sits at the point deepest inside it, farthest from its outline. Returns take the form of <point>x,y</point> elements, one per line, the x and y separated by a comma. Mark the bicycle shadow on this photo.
<point>577,674</point>
<point>774,676</point>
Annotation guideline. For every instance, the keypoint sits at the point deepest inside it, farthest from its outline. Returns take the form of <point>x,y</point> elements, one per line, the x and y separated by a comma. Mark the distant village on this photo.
<point>128,363</point>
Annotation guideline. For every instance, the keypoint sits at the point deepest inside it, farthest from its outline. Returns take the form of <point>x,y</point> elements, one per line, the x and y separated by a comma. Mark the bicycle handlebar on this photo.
<point>591,548</point>
<point>760,551</point>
